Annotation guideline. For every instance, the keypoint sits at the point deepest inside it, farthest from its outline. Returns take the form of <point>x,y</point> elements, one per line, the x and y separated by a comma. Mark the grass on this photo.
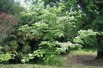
<point>26,66</point>
<point>42,66</point>
<point>78,52</point>
<point>84,52</point>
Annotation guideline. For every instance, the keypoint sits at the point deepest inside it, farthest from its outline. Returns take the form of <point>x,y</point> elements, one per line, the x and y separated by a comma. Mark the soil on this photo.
<point>86,60</point>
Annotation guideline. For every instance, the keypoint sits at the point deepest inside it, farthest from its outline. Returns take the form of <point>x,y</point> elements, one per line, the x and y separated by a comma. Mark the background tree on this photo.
<point>9,9</point>
<point>10,6</point>
<point>94,17</point>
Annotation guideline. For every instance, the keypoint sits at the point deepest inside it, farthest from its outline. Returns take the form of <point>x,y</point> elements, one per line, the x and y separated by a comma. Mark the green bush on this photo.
<point>39,31</point>
<point>5,57</point>
<point>86,38</point>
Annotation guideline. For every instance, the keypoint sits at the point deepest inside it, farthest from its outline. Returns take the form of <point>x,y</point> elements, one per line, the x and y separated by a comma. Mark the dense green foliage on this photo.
<point>94,14</point>
<point>9,9</point>
<point>87,38</point>
<point>39,33</point>
<point>10,6</point>
<point>49,28</point>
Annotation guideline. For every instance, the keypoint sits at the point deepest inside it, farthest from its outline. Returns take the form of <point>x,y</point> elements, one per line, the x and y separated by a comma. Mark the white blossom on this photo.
<point>23,60</point>
<point>30,54</point>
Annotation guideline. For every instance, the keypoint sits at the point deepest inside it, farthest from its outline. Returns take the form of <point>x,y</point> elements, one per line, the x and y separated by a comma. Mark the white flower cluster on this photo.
<point>30,54</point>
<point>23,60</point>
<point>66,45</point>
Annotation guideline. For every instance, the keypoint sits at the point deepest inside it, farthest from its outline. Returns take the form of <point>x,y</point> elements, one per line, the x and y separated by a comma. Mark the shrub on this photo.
<point>7,23</point>
<point>5,57</point>
<point>86,38</point>
<point>38,31</point>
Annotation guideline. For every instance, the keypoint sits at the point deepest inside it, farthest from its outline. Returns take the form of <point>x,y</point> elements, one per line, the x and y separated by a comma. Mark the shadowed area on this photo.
<point>83,58</point>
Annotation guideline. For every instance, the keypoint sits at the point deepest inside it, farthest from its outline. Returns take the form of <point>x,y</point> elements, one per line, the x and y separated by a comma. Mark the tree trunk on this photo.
<point>100,46</point>
<point>99,54</point>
